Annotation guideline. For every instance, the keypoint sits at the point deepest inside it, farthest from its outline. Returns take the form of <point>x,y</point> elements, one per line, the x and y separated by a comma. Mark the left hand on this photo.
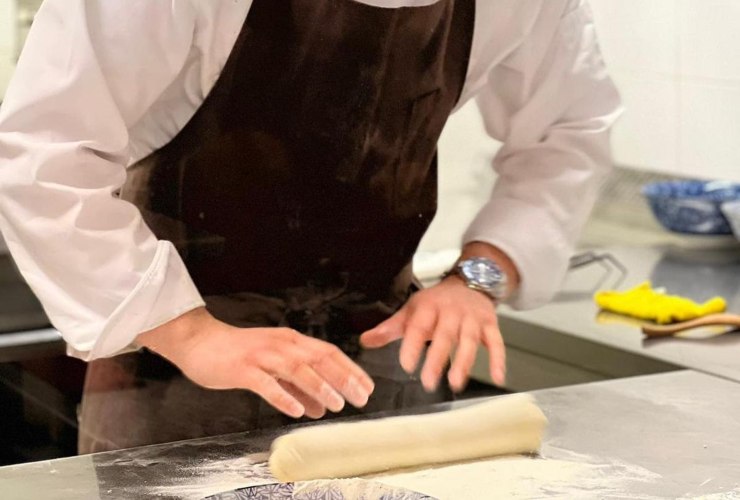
<point>451,316</point>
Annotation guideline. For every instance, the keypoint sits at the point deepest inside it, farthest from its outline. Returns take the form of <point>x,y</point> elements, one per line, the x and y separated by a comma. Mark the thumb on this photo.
<point>386,332</point>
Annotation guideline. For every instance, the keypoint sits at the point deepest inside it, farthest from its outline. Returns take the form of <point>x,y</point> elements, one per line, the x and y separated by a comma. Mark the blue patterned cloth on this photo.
<point>329,491</point>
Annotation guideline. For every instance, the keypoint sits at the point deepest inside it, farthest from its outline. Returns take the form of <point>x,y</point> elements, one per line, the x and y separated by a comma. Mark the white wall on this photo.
<point>677,64</point>
<point>8,38</point>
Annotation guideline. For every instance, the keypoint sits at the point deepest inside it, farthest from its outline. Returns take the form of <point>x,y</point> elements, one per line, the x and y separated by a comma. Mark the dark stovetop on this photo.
<point>19,308</point>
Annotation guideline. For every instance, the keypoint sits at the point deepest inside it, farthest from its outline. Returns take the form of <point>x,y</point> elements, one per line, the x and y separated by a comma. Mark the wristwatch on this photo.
<point>483,275</point>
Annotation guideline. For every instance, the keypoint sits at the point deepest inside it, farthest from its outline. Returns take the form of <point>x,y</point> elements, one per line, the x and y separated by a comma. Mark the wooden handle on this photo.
<point>674,328</point>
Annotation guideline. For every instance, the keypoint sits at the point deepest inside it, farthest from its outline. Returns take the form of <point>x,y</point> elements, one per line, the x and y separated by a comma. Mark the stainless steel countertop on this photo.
<point>698,273</point>
<point>660,436</point>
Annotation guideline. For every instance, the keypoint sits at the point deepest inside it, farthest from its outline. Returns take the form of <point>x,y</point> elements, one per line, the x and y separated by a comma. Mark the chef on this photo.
<point>217,202</point>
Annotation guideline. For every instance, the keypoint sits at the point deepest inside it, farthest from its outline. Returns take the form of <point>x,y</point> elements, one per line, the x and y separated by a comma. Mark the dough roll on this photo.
<point>503,426</point>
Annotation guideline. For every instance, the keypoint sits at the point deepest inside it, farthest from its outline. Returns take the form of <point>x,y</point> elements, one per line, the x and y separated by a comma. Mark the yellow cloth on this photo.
<point>645,303</point>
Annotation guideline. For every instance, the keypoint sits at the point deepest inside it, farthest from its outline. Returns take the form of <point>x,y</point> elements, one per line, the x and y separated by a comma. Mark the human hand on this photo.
<point>295,373</point>
<point>451,316</point>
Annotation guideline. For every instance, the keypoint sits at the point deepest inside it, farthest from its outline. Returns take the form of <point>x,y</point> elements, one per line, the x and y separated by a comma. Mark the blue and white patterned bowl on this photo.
<point>731,211</point>
<point>353,489</point>
<point>692,207</point>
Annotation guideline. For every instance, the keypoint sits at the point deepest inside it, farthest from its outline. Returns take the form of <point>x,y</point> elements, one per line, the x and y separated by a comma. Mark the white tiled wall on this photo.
<point>709,39</point>
<point>677,64</point>
<point>7,41</point>
<point>15,20</point>
<point>647,135</point>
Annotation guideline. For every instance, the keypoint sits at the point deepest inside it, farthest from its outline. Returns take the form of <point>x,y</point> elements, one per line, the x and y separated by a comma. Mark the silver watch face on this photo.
<point>482,273</point>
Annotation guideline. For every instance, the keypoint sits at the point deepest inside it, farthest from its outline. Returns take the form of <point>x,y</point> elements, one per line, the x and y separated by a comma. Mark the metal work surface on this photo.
<point>567,329</point>
<point>660,436</point>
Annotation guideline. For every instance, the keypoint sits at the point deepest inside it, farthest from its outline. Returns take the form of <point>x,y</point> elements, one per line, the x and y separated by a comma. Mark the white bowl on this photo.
<point>731,211</point>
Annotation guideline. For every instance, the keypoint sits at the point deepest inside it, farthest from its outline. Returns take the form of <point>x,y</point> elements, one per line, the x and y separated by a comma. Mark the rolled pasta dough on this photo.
<point>503,426</point>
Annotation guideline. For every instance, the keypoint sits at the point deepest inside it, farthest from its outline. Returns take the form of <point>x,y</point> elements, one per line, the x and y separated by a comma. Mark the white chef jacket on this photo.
<point>103,83</point>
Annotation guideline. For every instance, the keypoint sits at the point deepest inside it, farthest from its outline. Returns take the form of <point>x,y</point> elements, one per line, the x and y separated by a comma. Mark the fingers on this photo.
<point>418,330</point>
<point>316,375</point>
<point>496,353</point>
<point>271,391</point>
<point>314,409</point>
<point>321,370</point>
<point>341,373</point>
<point>386,332</point>
<point>438,354</point>
<point>292,368</point>
<point>465,354</point>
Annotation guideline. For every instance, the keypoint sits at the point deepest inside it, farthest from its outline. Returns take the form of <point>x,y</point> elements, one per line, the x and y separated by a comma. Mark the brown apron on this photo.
<point>297,196</point>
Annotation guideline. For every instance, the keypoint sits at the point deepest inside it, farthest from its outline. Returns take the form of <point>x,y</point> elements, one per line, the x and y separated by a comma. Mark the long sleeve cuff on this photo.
<point>165,292</point>
<point>532,240</point>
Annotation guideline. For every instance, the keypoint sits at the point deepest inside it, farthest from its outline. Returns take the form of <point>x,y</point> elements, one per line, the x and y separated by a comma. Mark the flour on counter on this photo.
<point>578,477</point>
<point>727,495</point>
<point>571,475</point>
<point>523,477</point>
<point>218,476</point>
<point>351,489</point>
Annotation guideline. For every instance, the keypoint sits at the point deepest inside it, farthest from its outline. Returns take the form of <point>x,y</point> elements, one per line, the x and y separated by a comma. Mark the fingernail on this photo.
<point>407,365</point>
<point>455,381</point>
<point>356,394</point>
<point>500,376</point>
<point>334,401</point>
<point>296,410</point>
<point>368,387</point>
<point>429,383</point>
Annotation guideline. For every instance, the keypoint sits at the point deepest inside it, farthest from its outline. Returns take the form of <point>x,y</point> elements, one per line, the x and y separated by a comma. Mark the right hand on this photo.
<point>295,373</point>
